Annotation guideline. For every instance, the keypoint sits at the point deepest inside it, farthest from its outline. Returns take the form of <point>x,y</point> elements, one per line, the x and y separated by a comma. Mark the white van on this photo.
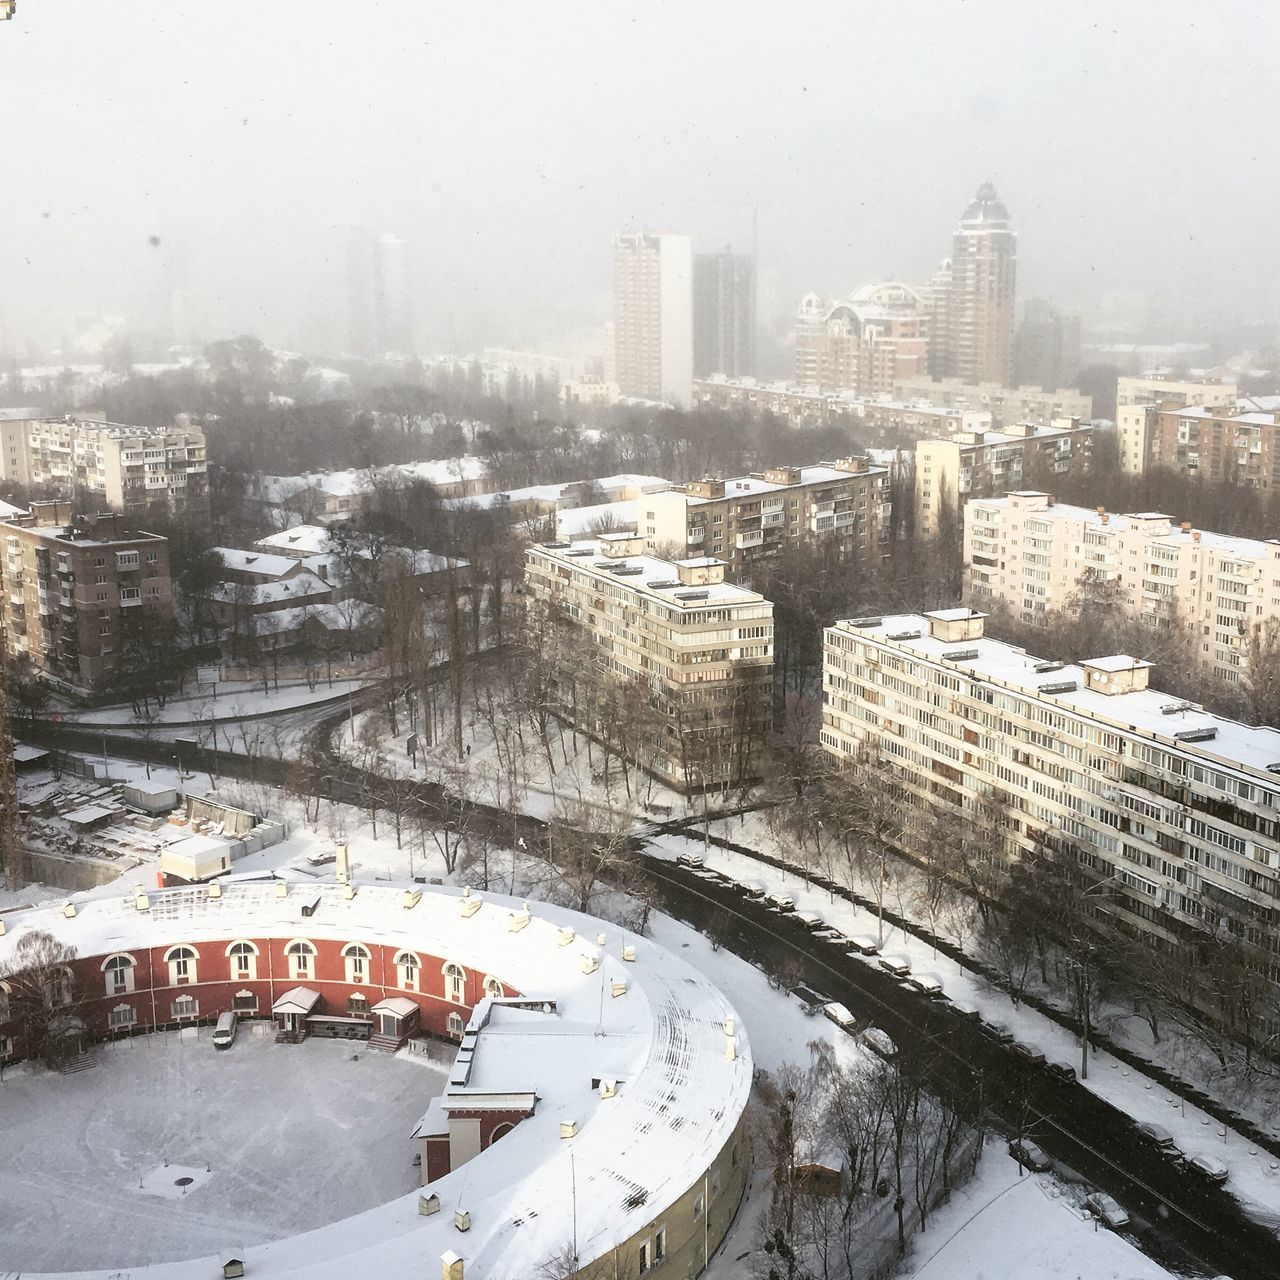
<point>224,1033</point>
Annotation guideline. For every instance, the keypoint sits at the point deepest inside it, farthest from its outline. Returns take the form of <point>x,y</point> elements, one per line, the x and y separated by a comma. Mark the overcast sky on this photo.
<point>1135,145</point>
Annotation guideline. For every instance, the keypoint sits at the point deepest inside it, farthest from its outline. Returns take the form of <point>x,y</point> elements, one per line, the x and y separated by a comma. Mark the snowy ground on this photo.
<point>294,1136</point>
<point>1002,1227</point>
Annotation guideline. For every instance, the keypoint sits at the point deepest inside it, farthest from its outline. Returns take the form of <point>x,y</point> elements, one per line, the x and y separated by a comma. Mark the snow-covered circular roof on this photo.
<point>622,1009</point>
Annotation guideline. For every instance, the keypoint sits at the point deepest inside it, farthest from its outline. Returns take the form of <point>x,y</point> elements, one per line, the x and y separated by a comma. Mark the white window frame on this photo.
<point>493,987</point>
<point>183,968</point>
<point>358,959</point>
<point>455,981</point>
<point>301,962</point>
<point>456,1025</point>
<point>186,999</point>
<point>242,965</point>
<point>118,977</point>
<point>117,1023</point>
<point>408,970</point>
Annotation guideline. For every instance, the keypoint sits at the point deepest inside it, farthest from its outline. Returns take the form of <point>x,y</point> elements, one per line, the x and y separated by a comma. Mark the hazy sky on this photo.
<point>1135,145</point>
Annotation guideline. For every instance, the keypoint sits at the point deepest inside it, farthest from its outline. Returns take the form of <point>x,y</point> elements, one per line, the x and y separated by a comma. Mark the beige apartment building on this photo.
<point>128,468</point>
<point>1237,444</point>
<point>653,316</point>
<point>749,520</point>
<point>862,344</point>
<point>1008,406</point>
<point>1031,554</point>
<point>699,649</point>
<point>982,464</point>
<point>79,591</point>
<point>1178,809</point>
<point>1137,413</point>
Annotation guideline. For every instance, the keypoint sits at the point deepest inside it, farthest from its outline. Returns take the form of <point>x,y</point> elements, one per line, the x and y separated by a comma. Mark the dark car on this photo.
<point>1061,1071</point>
<point>1028,1053</point>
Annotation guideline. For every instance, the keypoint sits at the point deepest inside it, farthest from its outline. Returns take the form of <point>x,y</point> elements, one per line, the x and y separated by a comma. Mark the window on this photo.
<point>699,1204</point>
<point>456,1025</point>
<point>182,965</point>
<point>4,1002</point>
<point>244,961</point>
<point>645,1257</point>
<point>407,969</point>
<point>492,987</point>
<point>300,955</point>
<point>659,1245</point>
<point>358,1005</point>
<point>357,958</point>
<point>118,972</point>
<point>122,1017</point>
<point>454,982</point>
<point>185,1007</point>
<point>6,1047</point>
<point>57,988</point>
<point>244,1002</point>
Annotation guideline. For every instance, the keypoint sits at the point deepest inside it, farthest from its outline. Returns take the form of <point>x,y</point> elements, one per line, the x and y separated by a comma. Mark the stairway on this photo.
<point>385,1044</point>
<point>79,1062</point>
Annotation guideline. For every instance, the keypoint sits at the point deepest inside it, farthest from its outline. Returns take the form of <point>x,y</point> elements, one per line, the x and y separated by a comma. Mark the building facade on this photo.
<point>986,464</point>
<point>1178,810</point>
<point>724,315</point>
<point>1047,346</point>
<point>699,649</point>
<point>1033,555</point>
<point>749,521</point>
<point>1234,444</point>
<point>81,594</point>
<point>863,344</point>
<point>1008,406</point>
<point>653,316</point>
<point>379,294</point>
<point>128,468</point>
<point>1138,400</point>
<point>972,297</point>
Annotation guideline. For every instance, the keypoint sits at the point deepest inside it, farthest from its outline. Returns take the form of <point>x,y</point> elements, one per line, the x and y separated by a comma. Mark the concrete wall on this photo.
<point>61,872</point>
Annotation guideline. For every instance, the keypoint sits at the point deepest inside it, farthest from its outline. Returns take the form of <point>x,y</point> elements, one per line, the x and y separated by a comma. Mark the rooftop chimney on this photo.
<point>1186,526</point>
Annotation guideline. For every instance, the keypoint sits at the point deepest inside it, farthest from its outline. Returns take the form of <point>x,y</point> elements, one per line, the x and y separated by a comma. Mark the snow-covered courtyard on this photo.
<point>276,1139</point>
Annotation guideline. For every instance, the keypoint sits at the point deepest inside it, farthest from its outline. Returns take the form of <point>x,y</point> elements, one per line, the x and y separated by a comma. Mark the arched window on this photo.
<point>182,965</point>
<point>244,961</point>
<point>118,974</point>
<point>408,968</point>
<point>492,987</point>
<point>357,958</point>
<point>455,981</point>
<point>455,1025</point>
<point>301,954</point>
<point>500,1132</point>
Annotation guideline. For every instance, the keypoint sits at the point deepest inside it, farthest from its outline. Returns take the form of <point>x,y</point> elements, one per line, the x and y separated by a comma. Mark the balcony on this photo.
<point>751,538</point>
<point>697,535</point>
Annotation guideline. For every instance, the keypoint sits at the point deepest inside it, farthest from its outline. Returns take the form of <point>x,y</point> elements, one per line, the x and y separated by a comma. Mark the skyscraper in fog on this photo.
<point>653,315</point>
<point>972,296</point>
<point>1047,350</point>
<point>724,315</point>
<point>379,295</point>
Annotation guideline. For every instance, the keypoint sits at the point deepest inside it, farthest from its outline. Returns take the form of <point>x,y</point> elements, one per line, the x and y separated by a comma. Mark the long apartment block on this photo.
<point>987,464</point>
<point>700,648</point>
<point>129,467</point>
<point>1180,807</point>
<point>748,520</point>
<point>79,591</point>
<point>1033,555</point>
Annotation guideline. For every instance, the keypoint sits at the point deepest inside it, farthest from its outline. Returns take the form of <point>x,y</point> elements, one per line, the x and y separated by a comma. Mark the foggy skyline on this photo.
<point>509,143</point>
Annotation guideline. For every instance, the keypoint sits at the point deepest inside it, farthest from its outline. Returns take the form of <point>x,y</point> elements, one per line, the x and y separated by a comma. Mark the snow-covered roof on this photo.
<point>578,521</point>
<point>750,486</point>
<point>8,510</point>
<point>1143,712</point>
<point>270,566</point>
<point>305,584</point>
<point>663,1039</point>
<point>306,539</point>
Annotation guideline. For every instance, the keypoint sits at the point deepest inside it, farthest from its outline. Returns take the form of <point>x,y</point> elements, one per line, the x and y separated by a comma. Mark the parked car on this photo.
<point>969,1012</point>
<point>224,1033</point>
<point>864,944</point>
<point>996,1031</point>
<point>321,857</point>
<point>1208,1167</point>
<point>811,920</point>
<point>779,901</point>
<point>1106,1209</point>
<point>1029,1156</point>
<point>1028,1053</point>
<point>839,1015</point>
<point>690,860</point>
<point>1062,1071</point>
<point>896,964</point>
<point>879,1042</point>
<point>751,888</point>
<point>928,984</point>
<point>1159,1136</point>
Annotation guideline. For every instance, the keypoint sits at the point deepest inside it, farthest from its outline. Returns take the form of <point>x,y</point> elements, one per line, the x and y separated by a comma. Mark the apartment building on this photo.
<point>1177,809</point>
<point>129,468</point>
<point>864,343</point>
<point>983,464</point>
<point>1046,349</point>
<point>1008,406</point>
<point>1031,554</point>
<point>701,649</point>
<point>724,314</point>
<point>749,520</point>
<point>1237,443</point>
<point>1137,406</point>
<point>653,316</point>
<point>80,591</point>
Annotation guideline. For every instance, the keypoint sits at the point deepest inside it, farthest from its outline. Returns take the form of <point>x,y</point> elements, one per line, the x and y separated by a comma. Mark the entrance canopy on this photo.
<point>297,1000</point>
<point>397,1005</point>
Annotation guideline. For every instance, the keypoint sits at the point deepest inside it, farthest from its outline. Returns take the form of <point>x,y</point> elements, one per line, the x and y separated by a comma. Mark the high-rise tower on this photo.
<point>724,315</point>
<point>653,315</point>
<point>379,295</point>
<point>973,308</point>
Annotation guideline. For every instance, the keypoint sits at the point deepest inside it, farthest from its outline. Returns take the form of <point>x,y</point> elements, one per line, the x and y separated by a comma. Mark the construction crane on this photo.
<point>10,833</point>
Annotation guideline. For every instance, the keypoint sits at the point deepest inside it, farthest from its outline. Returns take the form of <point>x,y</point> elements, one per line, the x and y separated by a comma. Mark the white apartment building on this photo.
<point>749,520</point>
<point>1030,553</point>
<point>1177,808</point>
<point>653,316</point>
<point>130,467</point>
<point>1136,412</point>
<point>700,648</point>
<point>1007,406</point>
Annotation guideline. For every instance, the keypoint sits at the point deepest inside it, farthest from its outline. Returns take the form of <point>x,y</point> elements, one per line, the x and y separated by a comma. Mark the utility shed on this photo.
<point>150,797</point>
